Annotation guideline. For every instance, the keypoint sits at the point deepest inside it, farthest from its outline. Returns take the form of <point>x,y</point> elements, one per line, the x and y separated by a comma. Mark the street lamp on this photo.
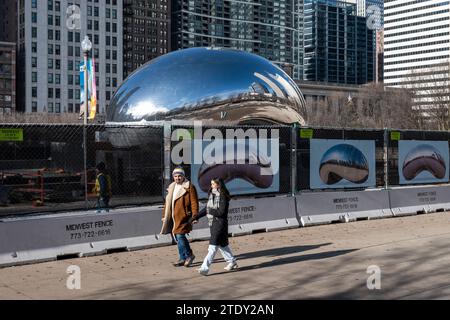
<point>86,46</point>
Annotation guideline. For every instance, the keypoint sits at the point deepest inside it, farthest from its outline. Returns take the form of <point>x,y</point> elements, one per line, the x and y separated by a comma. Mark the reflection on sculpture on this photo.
<point>208,84</point>
<point>424,157</point>
<point>249,166</point>
<point>343,161</point>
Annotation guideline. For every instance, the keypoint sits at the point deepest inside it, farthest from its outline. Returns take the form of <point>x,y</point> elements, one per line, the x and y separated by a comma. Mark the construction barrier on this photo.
<point>43,238</point>
<point>326,207</point>
<point>419,199</point>
<point>251,215</point>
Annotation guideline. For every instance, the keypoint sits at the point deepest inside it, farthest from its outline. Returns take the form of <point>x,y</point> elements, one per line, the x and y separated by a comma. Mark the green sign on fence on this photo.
<point>395,135</point>
<point>11,134</point>
<point>306,133</point>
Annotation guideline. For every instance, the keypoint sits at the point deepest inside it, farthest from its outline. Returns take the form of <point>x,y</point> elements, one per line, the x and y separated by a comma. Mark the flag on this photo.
<point>93,90</point>
<point>91,86</point>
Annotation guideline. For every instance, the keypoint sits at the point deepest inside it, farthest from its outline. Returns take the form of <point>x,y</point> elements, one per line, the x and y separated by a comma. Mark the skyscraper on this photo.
<point>146,32</point>
<point>49,50</point>
<point>338,44</point>
<point>269,28</point>
<point>417,45</point>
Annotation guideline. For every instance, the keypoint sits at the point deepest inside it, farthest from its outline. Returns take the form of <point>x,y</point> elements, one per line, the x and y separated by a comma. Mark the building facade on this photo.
<point>49,50</point>
<point>417,46</point>
<point>338,44</point>
<point>271,29</point>
<point>146,32</point>
<point>8,21</point>
<point>7,77</point>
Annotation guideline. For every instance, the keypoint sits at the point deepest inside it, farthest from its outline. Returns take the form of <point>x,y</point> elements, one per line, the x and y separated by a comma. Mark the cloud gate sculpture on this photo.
<point>343,161</point>
<point>208,84</point>
<point>424,157</point>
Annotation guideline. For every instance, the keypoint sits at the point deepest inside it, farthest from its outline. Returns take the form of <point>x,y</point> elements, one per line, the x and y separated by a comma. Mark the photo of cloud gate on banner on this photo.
<point>208,84</point>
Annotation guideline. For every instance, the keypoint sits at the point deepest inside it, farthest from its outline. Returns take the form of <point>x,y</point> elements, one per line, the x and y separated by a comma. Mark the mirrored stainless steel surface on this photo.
<point>424,157</point>
<point>343,161</point>
<point>208,84</point>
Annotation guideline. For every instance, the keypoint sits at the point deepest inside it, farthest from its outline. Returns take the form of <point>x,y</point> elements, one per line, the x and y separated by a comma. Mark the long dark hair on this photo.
<point>223,188</point>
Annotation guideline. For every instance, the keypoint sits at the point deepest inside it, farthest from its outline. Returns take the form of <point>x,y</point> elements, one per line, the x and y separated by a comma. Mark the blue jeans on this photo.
<point>184,249</point>
<point>103,203</point>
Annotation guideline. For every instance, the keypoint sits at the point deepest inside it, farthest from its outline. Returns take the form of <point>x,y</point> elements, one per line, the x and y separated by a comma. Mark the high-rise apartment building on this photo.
<point>49,49</point>
<point>338,44</point>
<point>146,31</point>
<point>7,77</point>
<point>8,21</point>
<point>417,45</point>
<point>269,28</point>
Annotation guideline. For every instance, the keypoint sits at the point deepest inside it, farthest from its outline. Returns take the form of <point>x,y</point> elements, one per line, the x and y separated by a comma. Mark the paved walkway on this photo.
<point>329,261</point>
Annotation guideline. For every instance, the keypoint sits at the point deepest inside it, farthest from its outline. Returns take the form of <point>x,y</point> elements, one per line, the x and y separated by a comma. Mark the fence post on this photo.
<point>386,158</point>
<point>293,148</point>
<point>167,135</point>
<point>85,167</point>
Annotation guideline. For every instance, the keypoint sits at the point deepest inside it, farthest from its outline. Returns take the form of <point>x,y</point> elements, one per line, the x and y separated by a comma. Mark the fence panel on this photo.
<point>42,166</point>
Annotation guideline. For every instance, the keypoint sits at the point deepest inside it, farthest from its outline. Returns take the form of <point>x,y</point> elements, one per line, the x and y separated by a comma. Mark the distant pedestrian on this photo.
<point>217,213</point>
<point>180,208</point>
<point>103,188</point>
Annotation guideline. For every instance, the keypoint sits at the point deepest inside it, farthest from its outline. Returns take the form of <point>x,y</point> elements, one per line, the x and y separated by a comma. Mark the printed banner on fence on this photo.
<point>246,166</point>
<point>338,164</point>
<point>423,161</point>
<point>91,87</point>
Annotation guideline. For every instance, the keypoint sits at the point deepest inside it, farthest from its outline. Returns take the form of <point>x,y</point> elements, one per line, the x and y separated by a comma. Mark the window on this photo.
<point>34,4</point>
<point>50,63</point>
<point>50,93</point>
<point>70,79</point>
<point>50,20</point>
<point>34,77</point>
<point>34,92</point>
<point>34,62</point>
<point>50,5</point>
<point>50,107</point>
<point>57,64</point>
<point>50,49</point>
<point>57,93</point>
<point>34,17</point>
<point>57,49</point>
<point>34,47</point>
<point>70,36</point>
<point>34,106</point>
<point>57,80</point>
<point>50,34</point>
<point>58,107</point>
<point>34,32</point>
<point>50,78</point>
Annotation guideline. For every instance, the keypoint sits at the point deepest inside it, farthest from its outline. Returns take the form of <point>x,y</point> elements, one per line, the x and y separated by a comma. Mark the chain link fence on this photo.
<point>42,167</point>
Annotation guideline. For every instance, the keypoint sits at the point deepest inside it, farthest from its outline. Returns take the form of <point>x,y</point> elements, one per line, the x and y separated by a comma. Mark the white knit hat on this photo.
<point>178,171</point>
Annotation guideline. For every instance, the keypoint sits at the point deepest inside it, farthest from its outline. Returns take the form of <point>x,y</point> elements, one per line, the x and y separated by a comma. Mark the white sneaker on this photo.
<point>203,272</point>
<point>231,266</point>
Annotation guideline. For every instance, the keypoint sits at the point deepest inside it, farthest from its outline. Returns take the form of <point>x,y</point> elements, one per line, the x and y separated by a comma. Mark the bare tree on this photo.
<point>373,107</point>
<point>72,118</point>
<point>431,89</point>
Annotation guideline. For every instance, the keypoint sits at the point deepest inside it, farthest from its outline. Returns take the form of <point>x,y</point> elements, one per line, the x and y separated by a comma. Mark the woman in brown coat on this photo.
<point>180,206</point>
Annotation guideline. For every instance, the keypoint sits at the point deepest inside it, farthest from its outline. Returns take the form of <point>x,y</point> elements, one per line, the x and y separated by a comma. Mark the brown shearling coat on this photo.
<point>185,208</point>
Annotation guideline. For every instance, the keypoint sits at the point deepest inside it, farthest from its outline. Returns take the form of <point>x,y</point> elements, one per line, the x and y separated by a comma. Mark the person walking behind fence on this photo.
<point>180,206</point>
<point>103,188</point>
<point>217,213</point>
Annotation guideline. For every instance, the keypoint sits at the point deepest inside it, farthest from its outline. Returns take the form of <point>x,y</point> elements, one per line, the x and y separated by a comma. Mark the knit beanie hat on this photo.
<point>178,171</point>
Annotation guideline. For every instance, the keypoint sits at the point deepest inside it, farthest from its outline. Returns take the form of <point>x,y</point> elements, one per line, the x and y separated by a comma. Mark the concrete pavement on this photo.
<point>328,261</point>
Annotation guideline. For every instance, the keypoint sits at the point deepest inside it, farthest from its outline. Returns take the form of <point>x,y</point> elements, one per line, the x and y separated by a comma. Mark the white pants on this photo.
<point>212,250</point>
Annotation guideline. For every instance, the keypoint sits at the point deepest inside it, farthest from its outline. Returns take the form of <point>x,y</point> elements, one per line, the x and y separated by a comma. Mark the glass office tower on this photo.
<point>271,29</point>
<point>338,45</point>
